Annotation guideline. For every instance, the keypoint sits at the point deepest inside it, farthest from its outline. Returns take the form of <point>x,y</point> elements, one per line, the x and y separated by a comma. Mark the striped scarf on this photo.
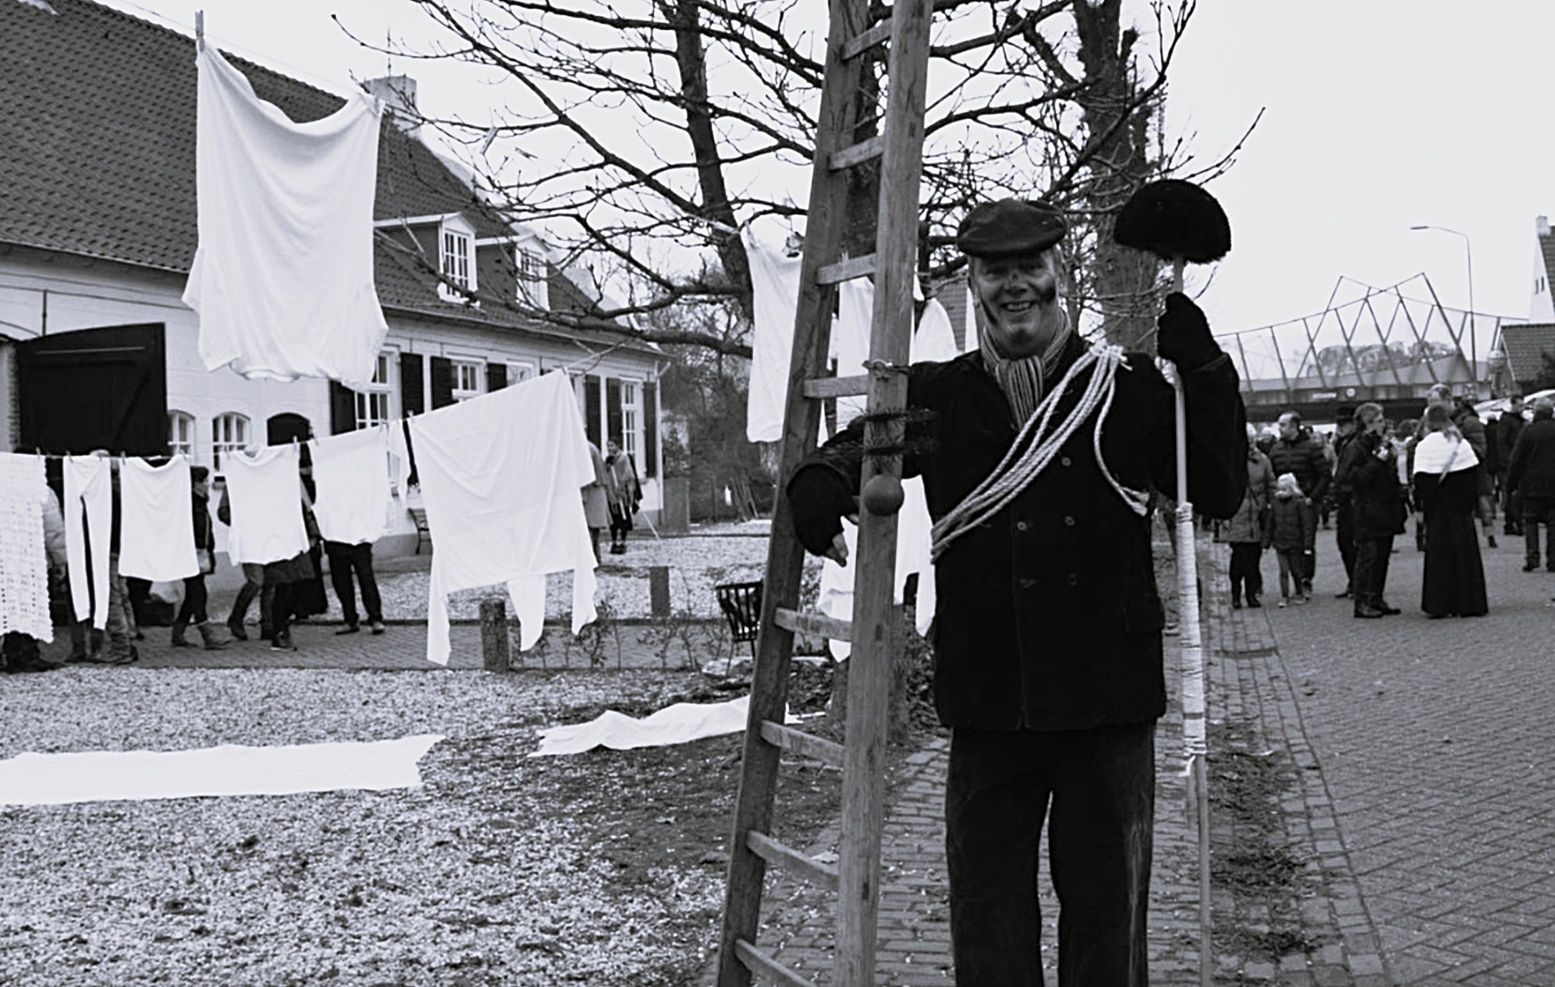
<point>1023,380</point>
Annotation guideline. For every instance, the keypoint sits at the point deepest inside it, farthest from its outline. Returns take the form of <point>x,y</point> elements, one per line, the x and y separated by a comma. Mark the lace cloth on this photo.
<point>24,568</point>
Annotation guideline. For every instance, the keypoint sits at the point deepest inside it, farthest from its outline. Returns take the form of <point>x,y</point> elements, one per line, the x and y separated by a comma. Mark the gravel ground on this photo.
<point>501,869</point>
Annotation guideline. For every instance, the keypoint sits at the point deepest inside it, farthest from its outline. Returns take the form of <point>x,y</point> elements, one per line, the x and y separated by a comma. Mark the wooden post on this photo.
<point>659,590</point>
<point>494,635</point>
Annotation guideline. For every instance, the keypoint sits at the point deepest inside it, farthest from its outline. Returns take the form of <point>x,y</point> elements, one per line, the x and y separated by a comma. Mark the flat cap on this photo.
<point>1009,226</point>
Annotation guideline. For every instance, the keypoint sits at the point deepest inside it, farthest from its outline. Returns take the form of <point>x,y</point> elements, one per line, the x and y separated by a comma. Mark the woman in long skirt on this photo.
<point>1447,482</point>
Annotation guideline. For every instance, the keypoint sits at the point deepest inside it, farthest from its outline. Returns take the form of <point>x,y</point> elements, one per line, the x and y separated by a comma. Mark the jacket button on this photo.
<point>1065,461</point>
<point>1068,521</point>
<point>1072,579</point>
<point>1028,584</point>
<point>1021,525</point>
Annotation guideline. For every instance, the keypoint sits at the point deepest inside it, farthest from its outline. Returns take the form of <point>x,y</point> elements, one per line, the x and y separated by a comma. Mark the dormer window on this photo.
<point>456,257</point>
<point>532,278</point>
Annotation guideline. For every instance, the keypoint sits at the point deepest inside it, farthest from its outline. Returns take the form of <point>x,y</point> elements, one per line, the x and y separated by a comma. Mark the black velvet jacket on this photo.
<point>1048,616</point>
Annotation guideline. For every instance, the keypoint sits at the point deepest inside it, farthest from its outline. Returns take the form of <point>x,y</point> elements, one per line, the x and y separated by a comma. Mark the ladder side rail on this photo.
<point>875,622</point>
<point>785,555</point>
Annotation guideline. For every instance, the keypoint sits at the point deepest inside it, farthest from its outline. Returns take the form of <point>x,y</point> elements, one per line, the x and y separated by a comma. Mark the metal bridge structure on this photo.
<point>1389,345</point>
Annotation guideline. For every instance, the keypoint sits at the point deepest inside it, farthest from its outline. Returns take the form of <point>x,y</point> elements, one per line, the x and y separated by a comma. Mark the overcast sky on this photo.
<point>1379,114</point>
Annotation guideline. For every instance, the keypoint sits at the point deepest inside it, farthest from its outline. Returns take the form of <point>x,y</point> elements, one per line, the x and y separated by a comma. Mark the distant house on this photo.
<point>98,229</point>
<point>1542,306</point>
<point>1525,347</point>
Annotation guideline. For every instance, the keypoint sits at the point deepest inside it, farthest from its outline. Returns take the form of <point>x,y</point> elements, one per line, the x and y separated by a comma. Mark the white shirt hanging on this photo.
<point>774,294</point>
<point>501,479</point>
<point>283,275</point>
<point>264,494</point>
<point>88,510</point>
<point>156,521</point>
<point>24,570</point>
<point>351,475</point>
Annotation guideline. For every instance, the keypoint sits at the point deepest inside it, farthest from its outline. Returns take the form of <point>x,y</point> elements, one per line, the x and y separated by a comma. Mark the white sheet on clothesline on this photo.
<point>102,776</point>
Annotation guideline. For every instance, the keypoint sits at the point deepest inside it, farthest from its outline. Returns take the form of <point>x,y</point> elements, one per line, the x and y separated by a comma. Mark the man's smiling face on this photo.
<point>1019,300</point>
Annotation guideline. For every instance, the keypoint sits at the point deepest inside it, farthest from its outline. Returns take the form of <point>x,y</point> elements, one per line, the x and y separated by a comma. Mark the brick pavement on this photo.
<point>1435,739</point>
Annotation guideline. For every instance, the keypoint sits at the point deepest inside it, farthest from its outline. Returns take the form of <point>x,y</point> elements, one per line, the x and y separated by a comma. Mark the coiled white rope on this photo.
<point>1034,448</point>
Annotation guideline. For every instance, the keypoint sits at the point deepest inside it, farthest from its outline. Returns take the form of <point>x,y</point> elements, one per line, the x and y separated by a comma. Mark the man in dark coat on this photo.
<point>1344,519</point>
<point>1297,452</point>
<point>1508,427</point>
<point>1530,475</point>
<point>1474,433</point>
<point>1368,477</point>
<point>1047,633</point>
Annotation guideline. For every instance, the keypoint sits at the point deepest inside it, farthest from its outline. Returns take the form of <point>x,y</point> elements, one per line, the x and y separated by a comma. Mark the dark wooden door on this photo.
<point>287,427</point>
<point>95,389</point>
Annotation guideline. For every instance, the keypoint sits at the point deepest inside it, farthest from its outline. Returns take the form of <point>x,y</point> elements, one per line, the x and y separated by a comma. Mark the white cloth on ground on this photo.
<point>1437,454</point>
<point>676,724</point>
<point>24,568</point>
<point>264,494</point>
<point>500,478</point>
<point>933,341</point>
<point>282,277</point>
<point>88,510</point>
<point>156,526</point>
<point>351,475</point>
<point>99,776</point>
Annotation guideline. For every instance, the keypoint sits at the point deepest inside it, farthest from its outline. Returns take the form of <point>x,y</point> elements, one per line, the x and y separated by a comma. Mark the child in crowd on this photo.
<point>1292,533</point>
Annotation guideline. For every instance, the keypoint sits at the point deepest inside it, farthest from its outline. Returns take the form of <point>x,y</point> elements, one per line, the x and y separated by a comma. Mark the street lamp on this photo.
<point>1473,348</point>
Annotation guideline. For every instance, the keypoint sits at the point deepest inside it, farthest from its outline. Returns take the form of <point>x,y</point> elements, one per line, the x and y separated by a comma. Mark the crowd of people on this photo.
<point>288,590</point>
<point>1453,473</point>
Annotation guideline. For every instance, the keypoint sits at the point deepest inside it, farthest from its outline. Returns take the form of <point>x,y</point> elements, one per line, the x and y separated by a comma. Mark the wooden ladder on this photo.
<point>873,631</point>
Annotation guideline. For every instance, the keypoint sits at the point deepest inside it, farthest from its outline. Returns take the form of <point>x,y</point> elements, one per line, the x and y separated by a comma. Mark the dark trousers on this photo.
<point>193,610</point>
<point>1244,569</point>
<point>280,608</point>
<point>1344,524</point>
<point>1101,787</point>
<point>343,561</point>
<point>1537,512</point>
<point>1371,570</point>
<point>18,650</point>
<point>1511,505</point>
<point>1309,568</point>
<point>253,585</point>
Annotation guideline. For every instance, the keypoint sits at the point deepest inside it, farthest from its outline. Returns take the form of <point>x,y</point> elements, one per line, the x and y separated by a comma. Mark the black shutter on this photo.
<point>496,376</point>
<point>650,429</point>
<point>412,396</point>
<point>591,410</point>
<point>342,408</point>
<point>413,479</point>
<point>442,382</point>
<point>613,410</point>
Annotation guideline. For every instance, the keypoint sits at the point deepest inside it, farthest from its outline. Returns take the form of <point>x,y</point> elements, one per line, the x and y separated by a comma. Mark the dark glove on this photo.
<point>820,499</point>
<point>1184,336</point>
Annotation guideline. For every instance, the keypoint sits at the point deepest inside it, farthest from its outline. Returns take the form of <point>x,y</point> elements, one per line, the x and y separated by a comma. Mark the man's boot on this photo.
<point>208,636</point>
<point>1368,610</point>
<point>179,626</point>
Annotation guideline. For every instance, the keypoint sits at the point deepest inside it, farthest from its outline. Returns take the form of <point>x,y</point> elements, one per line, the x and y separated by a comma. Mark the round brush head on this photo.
<point>1173,218</point>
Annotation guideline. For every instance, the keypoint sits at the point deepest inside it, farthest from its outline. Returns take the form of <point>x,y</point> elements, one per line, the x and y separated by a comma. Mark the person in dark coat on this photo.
<point>1369,472</point>
<point>1447,488</point>
<point>308,599</point>
<point>193,609</point>
<point>1530,476</point>
<point>1291,533</point>
<point>1508,427</point>
<point>1247,531</point>
<point>1344,520</point>
<point>1466,419</point>
<point>1298,453</point>
<point>1047,629</point>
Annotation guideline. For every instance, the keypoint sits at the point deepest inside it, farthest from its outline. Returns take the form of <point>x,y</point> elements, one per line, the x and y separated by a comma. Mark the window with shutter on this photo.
<point>412,384</point>
<point>442,382</point>
<point>650,463</point>
<point>613,410</point>
<point>496,377</point>
<point>591,420</point>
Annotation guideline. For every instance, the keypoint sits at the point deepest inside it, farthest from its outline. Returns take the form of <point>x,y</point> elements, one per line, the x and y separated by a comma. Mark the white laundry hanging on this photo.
<point>351,475</point>
<point>24,572</point>
<point>501,479</point>
<point>88,510</point>
<point>156,521</point>
<point>282,277</point>
<point>264,494</point>
<point>970,339</point>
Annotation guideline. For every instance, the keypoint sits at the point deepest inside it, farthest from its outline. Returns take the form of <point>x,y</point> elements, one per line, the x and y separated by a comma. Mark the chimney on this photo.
<point>398,93</point>
<point>1542,224</point>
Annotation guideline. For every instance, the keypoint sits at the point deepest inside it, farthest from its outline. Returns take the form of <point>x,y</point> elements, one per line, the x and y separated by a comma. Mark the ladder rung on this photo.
<point>800,864</point>
<point>804,744</point>
<point>815,624</point>
<point>757,961</point>
<point>855,154</point>
<point>846,270</point>
<point>836,387</point>
<point>867,39</point>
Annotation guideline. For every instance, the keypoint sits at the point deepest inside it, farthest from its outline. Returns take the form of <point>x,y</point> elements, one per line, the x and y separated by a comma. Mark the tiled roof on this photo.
<point>97,143</point>
<point>951,293</point>
<point>1525,346</point>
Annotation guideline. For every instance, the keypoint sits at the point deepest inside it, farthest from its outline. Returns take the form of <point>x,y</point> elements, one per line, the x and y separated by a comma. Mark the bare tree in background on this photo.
<point>683,116</point>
